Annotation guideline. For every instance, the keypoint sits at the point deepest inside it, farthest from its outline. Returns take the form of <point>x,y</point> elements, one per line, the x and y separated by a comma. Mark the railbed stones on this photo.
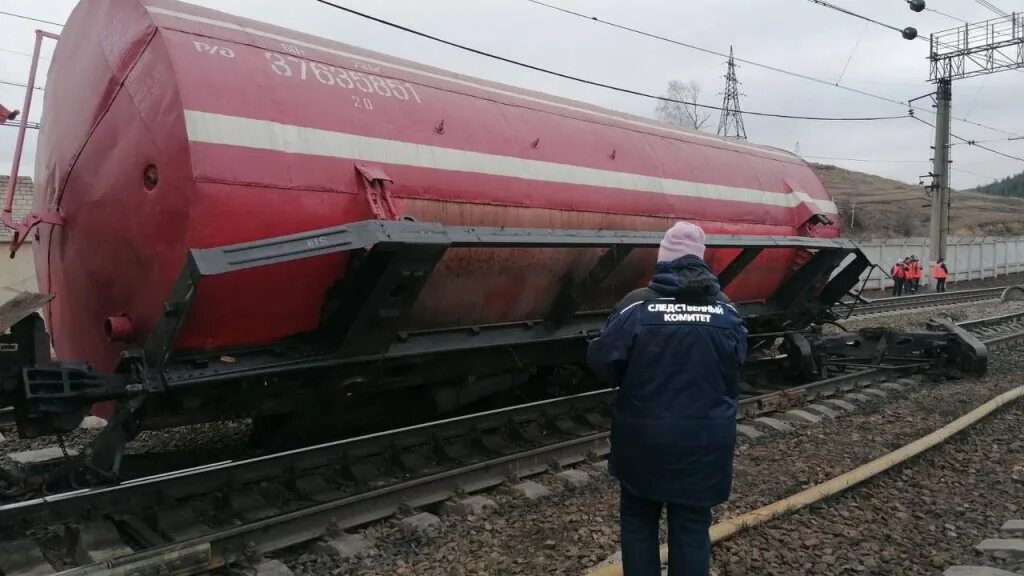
<point>748,431</point>
<point>558,535</point>
<point>272,568</point>
<point>573,478</point>
<point>531,490</point>
<point>841,404</point>
<point>422,524</point>
<point>345,546</point>
<point>22,557</point>
<point>475,505</point>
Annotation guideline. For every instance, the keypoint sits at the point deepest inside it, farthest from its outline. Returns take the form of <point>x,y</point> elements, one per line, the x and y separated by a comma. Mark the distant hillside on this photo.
<point>872,206</point>
<point>1011,187</point>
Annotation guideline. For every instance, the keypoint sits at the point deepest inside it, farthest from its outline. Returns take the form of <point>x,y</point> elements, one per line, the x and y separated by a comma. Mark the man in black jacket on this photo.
<point>675,350</point>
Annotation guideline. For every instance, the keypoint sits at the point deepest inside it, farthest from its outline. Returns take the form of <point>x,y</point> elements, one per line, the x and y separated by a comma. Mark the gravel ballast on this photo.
<point>573,530</point>
<point>919,519</point>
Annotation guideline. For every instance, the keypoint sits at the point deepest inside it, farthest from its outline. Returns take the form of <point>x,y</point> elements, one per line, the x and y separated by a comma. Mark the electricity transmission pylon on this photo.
<point>730,124</point>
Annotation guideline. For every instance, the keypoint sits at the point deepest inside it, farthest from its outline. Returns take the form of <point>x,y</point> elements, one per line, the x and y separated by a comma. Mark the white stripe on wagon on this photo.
<point>270,35</point>
<point>213,128</point>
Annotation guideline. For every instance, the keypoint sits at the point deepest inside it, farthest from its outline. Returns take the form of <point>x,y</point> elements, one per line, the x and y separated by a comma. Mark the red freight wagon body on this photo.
<point>169,127</point>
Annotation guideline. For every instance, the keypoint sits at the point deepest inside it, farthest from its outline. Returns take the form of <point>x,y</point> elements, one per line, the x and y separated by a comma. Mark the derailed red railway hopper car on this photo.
<point>255,219</point>
<point>170,127</point>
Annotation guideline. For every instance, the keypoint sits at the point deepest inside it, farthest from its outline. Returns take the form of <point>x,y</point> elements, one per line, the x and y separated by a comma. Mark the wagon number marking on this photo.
<point>302,69</point>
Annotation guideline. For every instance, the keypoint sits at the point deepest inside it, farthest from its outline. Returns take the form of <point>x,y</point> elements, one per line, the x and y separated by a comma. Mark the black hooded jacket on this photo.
<point>675,350</point>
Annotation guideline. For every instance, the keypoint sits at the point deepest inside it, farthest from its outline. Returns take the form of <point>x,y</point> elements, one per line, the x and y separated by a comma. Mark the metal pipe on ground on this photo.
<point>733,526</point>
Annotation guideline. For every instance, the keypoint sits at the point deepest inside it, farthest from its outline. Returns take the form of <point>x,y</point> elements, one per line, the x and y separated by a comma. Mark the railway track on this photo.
<point>232,512</point>
<point>922,301</point>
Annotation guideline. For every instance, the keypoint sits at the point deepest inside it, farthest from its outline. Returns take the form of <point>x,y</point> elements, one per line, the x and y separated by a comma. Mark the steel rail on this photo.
<point>247,542</point>
<point>204,479</point>
<point>894,303</point>
<point>991,320</point>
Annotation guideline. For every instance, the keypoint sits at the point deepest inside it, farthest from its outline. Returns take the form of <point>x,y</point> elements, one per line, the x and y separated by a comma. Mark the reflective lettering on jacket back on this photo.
<point>673,312</point>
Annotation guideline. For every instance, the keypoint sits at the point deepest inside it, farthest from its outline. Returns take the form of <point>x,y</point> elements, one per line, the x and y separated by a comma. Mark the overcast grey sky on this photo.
<point>793,34</point>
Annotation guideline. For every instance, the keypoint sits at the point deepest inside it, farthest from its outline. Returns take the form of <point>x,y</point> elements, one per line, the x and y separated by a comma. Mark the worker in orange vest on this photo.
<point>899,277</point>
<point>914,274</point>
<point>940,273</point>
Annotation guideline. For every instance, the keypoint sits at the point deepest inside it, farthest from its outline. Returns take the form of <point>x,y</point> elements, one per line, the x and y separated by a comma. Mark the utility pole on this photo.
<point>940,169</point>
<point>972,49</point>
<point>731,122</point>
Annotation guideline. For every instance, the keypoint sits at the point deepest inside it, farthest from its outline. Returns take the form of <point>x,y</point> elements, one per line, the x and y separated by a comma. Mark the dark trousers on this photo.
<point>897,286</point>
<point>940,284</point>
<point>689,545</point>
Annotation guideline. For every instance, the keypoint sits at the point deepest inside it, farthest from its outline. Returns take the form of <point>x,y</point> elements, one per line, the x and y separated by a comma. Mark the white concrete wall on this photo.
<point>967,258</point>
<point>18,274</point>
<point>23,200</point>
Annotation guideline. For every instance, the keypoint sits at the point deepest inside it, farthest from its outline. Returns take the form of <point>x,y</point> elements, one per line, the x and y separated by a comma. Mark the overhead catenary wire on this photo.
<point>596,83</point>
<point>996,9</point>
<point>19,84</point>
<point>951,17</point>
<point>772,68</point>
<point>25,54</point>
<point>986,141</point>
<point>716,53</point>
<point>852,53</point>
<point>974,143</point>
<point>958,169</point>
<point>864,159</point>
<point>862,17</point>
<point>985,126</point>
<point>23,17</point>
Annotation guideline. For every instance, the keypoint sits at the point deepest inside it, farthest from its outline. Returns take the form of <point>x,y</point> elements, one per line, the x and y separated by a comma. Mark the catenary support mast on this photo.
<point>940,170</point>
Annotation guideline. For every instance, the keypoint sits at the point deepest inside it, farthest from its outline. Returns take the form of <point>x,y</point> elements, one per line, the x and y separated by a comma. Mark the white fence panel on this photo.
<point>967,258</point>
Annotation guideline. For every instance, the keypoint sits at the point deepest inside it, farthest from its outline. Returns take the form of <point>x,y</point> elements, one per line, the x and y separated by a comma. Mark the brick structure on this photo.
<point>23,200</point>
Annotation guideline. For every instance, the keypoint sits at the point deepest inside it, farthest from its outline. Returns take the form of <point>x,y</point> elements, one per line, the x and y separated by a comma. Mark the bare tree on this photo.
<point>688,115</point>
